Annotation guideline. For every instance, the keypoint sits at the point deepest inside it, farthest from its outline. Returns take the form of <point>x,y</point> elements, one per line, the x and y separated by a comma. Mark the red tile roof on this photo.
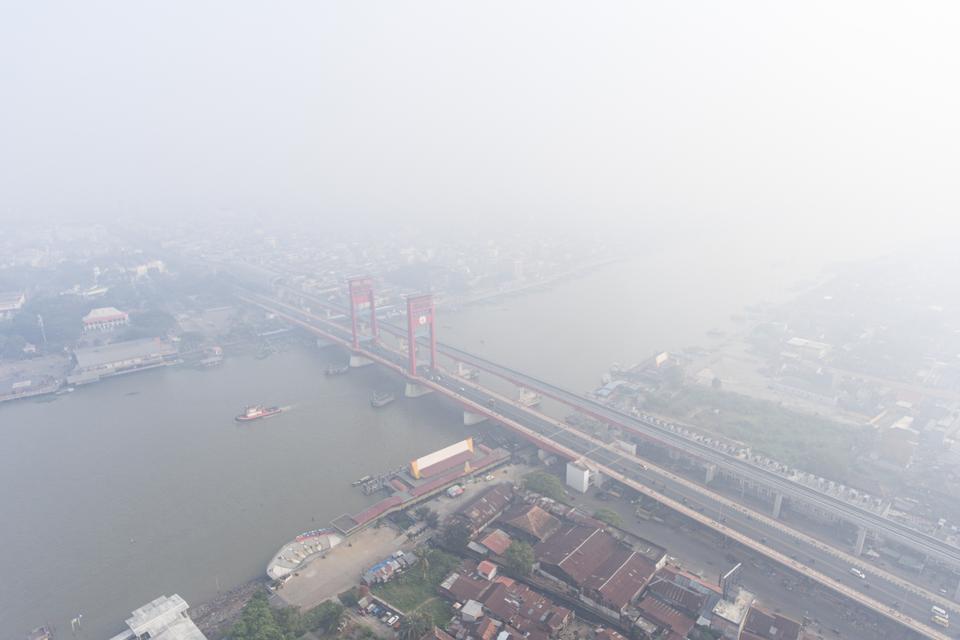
<point>762,625</point>
<point>666,616</point>
<point>497,541</point>
<point>532,520</point>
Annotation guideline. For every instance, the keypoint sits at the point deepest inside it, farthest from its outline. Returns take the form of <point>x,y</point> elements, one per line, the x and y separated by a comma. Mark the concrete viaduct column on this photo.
<point>711,473</point>
<point>777,504</point>
<point>956,594</point>
<point>861,540</point>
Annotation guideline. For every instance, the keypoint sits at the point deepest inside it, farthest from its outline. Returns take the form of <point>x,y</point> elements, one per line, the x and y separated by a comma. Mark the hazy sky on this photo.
<point>819,116</point>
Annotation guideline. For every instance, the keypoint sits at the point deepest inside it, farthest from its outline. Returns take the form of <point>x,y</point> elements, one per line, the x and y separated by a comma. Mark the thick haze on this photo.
<point>814,118</point>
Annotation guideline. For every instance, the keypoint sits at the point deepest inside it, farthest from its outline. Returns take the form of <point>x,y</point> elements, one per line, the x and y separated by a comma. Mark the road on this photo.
<point>739,522</point>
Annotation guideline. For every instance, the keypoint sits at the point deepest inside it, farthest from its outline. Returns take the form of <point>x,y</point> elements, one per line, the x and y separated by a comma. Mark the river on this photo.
<point>144,485</point>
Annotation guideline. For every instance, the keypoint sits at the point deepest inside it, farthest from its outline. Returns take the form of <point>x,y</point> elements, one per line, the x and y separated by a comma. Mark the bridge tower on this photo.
<point>361,292</point>
<point>420,315</point>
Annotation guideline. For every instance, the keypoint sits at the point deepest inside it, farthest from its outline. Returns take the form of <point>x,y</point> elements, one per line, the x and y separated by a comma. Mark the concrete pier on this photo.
<point>414,390</point>
<point>470,418</point>
<point>777,504</point>
<point>359,361</point>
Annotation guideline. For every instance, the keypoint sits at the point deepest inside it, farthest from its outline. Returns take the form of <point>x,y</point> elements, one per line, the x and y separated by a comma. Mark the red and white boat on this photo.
<point>257,411</point>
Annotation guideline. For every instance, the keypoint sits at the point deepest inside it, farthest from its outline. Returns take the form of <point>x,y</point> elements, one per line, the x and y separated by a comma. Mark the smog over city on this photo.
<point>426,320</point>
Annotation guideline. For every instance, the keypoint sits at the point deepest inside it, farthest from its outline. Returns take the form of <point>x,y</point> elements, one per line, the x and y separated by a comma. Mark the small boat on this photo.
<point>338,371</point>
<point>382,399</point>
<point>41,633</point>
<point>65,390</point>
<point>257,411</point>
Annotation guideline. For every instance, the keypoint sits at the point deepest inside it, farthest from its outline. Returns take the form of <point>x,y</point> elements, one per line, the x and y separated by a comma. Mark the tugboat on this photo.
<point>257,411</point>
<point>338,371</point>
<point>379,399</point>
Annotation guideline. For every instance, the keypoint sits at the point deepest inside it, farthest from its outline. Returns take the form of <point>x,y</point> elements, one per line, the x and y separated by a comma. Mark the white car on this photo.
<point>858,573</point>
<point>392,620</point>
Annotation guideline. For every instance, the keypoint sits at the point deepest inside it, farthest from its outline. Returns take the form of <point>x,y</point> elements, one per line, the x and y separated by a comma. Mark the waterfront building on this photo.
<point>105,319</point>
<point>164,618</point>
<point>94,363</point>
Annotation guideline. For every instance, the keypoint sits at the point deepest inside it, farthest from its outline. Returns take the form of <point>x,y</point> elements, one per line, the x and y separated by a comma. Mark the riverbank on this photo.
<point>216,617</point>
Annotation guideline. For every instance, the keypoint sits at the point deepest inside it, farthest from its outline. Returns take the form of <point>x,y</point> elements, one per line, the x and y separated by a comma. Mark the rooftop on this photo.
<point>761,625</point>
<point>532,520</point>
<point>164,618</point>
<point>734,611</point>
<point>497,541</point>
<point>104,314</point>
<point>92,357</point>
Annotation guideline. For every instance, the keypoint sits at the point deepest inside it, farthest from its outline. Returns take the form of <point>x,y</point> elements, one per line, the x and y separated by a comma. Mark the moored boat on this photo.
<point>257,411</point>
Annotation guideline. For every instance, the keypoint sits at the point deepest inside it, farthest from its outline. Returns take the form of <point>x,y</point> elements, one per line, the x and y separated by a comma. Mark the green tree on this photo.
<point>546,484</point>
<point>415,626</point>
<point>456,535</point>
<point>324,617</point>
<point>433,519</point>
<point>519,557</point>
<point>609,516</point>
<point>422,512</point>
<point>257,621</point>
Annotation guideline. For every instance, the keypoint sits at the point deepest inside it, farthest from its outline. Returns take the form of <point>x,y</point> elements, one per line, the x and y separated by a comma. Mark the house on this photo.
<point>485,508</point>
<point>684,591</point>
<point>608,573</point>
<point>496,542</point>
<point>728,616</point>
<point>674,623</point>
<point>511,605</point>
<point>530,522</point>
<point>105,319</point>
<point>763,625</point>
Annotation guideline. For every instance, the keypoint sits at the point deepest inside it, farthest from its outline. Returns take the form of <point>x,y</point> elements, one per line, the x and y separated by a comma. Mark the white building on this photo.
<point>105,319</point>
<point>10,303</point>
<point>162,619</point>
<point>581,477</point>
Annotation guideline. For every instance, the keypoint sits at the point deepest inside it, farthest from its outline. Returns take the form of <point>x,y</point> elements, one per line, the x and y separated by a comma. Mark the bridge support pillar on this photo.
<point>470,418</point>
<point>956,594</point>
<point>357,361</point>
<point>710,474</point>
<point>861,540</point>
<point>414,390</point>
<point>777,504</point>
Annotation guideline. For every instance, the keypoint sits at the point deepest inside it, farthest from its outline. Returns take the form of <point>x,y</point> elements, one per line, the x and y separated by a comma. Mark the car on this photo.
<point>393,620</point>
<point>857,572</point>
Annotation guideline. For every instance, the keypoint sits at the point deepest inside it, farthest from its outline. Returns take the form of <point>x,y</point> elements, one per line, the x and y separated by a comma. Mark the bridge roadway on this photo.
<point>632,471</point>
<point>930,546</point>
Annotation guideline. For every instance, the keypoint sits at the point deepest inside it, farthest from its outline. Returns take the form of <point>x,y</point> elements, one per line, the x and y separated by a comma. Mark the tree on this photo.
<point>433,519</point>
<point>546,484</point>
<point>609,516</point>
<point>423,556</point>
<point>324,617</point>
<point>422,512</point>
<point>257,621</point>
<point>456,535</point>
<point>519,557</point>
<point>415,626</point>
<point>715,384</point>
